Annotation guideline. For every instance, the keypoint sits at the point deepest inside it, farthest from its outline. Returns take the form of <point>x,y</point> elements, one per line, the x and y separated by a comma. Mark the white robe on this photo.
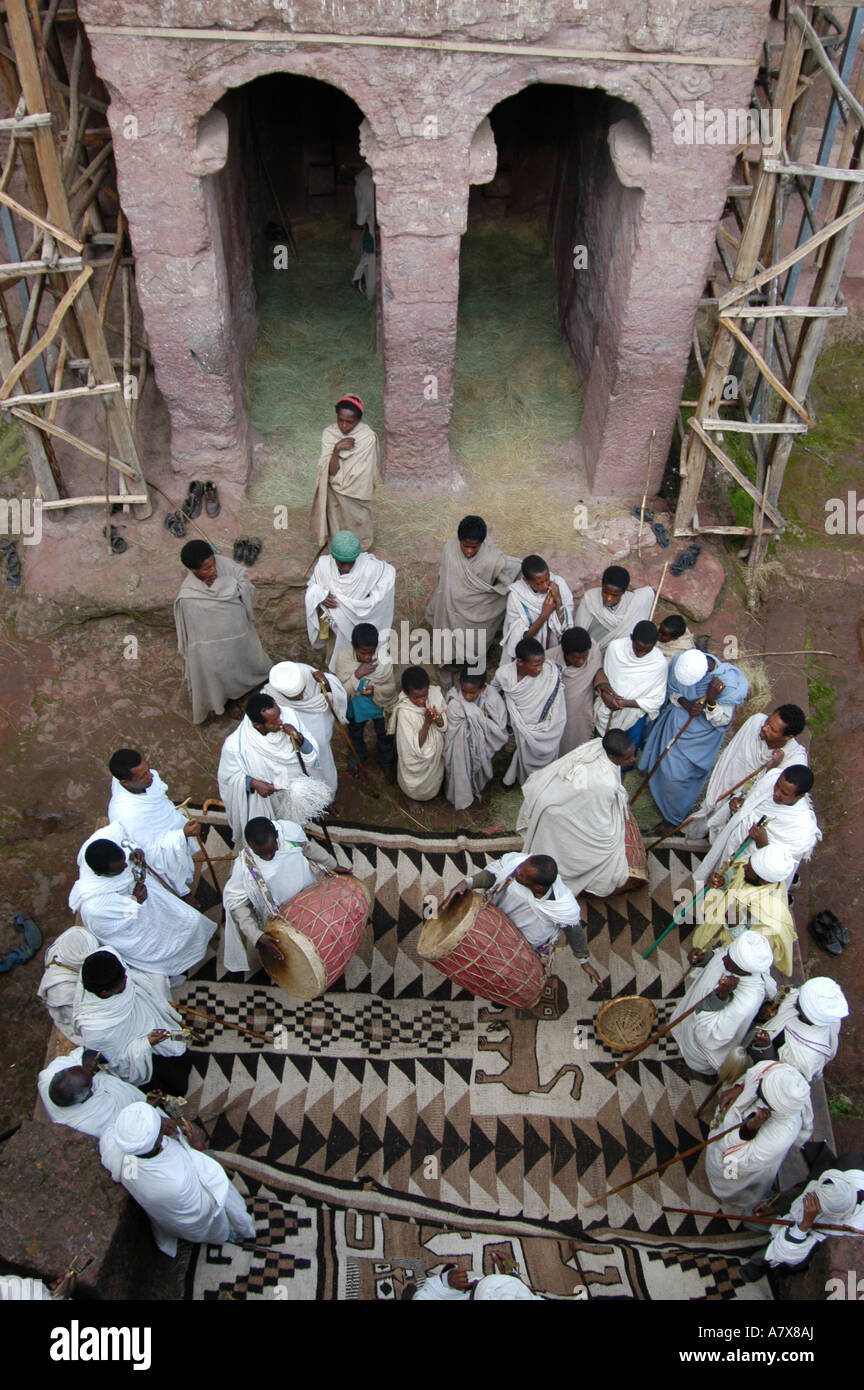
<point>109,1095</point>
<point>808,1047</point>
<point>364,595</point>
<point>576,810</point>
<point>752,1164</point>
<point>318,722</point>
<point>524,606</point>
<point>794,826</point>
<point>639,678</point>
<point>185,1193</point>
<point>605,624</point>
<point>119,1026</point>
<point>782,1250</point>
<point>285,875</point>
<point>63,961</point>
<point>746,752</point>
<point>537,715</point>
<point>153,822</point>
<point>706,1037</point>
<point>162,935</point>
<point>538,919</point>
<point>265,758</point>
<point>420,768</point>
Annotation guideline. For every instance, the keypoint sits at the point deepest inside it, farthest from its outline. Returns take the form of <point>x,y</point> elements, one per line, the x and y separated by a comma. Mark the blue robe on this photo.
<point>678,781</point>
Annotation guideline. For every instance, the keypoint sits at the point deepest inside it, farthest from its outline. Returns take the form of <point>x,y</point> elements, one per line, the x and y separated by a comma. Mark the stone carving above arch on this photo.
<point>211,143</point>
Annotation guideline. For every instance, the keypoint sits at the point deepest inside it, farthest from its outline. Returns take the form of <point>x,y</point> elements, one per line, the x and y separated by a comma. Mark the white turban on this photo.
<point>773,863</point>
<point>137,1128</point>
<point>72,947</point>
<point>823,1001</point>
<point>690,666</point>
<point>751,952</point>
<point>784,1088</point>
<point>503,1286</point>
<point>287,678</point>
<point>837,1196</point>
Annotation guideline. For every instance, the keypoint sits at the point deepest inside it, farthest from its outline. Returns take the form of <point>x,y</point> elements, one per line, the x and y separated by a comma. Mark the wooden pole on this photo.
<point>365,775</point>
<point>657,595</point>
<point>760,1220</point>
<point>681,825</point>
<point>636,795</point>
<point>697,1148</point>
<point>645,495</point>
<point>223,1022</point>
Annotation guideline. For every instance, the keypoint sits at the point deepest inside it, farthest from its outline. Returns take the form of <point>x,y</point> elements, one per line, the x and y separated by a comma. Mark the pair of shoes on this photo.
<point>175,522</point>
<point>686,560</point>
<point>13,564</point>
<point>661,534</point>
<point>118,544</point>
<point>194,501</point>
<point>212,505</point>
<point>247,549</point>
<point>829,933</point>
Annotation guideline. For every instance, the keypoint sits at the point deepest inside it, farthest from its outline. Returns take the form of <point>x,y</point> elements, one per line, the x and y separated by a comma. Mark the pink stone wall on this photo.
<point>654,238</point>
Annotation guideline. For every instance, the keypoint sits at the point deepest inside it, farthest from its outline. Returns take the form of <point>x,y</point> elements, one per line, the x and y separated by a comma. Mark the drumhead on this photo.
<point>444,932</point>
<point>303,973</point>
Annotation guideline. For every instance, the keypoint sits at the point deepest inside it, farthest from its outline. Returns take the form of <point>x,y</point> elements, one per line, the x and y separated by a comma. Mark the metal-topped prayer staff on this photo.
<point>697,1148</point>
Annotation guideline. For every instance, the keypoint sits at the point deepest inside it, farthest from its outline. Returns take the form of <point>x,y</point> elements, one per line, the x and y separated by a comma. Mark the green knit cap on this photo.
<point>345,546</point>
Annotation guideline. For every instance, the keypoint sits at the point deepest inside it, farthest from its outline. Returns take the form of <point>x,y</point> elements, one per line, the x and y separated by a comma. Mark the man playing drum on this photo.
<point>528,890</point>
<point>272,867</point>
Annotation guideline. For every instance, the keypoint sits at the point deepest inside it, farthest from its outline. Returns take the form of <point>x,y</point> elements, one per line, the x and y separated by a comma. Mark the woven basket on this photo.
<point>625,1023</point>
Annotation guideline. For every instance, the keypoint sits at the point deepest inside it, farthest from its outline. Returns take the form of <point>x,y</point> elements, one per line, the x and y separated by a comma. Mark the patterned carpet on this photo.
<point>397,1119</point>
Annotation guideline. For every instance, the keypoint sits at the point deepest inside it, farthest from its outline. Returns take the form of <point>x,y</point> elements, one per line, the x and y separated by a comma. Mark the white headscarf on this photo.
<point>773,863</point>
<point>785,1090</point>
<point>288,678</point>
<point>823,1001</point>
<point>137,1128</point>
<point>63,961</point>
<point>837,1196</point>
<point>750,951</point>
<point>92,885</point>
<point>690,667</point>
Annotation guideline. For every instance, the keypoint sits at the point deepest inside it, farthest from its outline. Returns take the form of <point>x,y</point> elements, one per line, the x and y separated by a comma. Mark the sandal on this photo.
<point>13,564</point>
<point>212,505</point>
<point>686,560</point>
<point>254,547</point>
<point>175,522</point>
<point>240,550</point>
<point>118,544</point>
<point>661,534</point>
<point>194,501</point>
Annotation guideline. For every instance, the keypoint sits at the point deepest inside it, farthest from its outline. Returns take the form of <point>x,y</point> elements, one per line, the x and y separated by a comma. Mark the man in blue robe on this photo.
<point>708,689</point>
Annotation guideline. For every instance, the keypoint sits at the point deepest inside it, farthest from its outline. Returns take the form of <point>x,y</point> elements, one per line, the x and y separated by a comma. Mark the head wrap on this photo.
<point>288,679</point>
<point>837,1196</point>
<point>784,1088</point>
<point>773,863</point>
<point>751,952</point>
<point>194,553</point>
<point>503,1286</point>
<point>690,667</point>
<point>345,546</point>
<point>350,400</point>
<point>823,1001</point>
<point>72,947</point>
<point>137,1128</point>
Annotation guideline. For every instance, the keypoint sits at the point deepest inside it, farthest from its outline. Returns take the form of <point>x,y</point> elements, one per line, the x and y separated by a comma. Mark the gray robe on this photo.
<point>475,732</point>
<point>216,636</point>
<point>578,682</point>
<point>471,595</point>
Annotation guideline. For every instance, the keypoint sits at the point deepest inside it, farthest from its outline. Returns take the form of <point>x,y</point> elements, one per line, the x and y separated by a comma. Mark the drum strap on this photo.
<point>261,884</point>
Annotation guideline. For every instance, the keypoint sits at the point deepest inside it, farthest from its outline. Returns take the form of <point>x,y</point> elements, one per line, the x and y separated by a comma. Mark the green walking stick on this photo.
<point>679,916</point>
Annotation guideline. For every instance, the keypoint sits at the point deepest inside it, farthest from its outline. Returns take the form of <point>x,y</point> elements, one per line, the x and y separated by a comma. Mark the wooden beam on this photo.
<point>21,123</point>
<point>15,270</point>
<point>57,232</point>
<point>816,47</point>
<point>768,374</point>
<point>741,478</point>
<point>113,500</point>
<point>814,171</point>
<point>830,230</point>
<point>48,427</point>
<point>40,397</point>
<point>53,324</point>
<point>44,465</point>
<point>790,311</point>
<point>744,427</point>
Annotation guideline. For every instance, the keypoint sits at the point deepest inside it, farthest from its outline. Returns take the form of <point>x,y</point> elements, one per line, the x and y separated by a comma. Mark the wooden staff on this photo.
<point>636,795</point>
<point>212,801</point>
<point>197,1013</point>
<point>364,774</point>
<point>661,1033</point>
<point>200,843</point>
<point>679,916</point>
<point>681,825</point>
<point>645,495</point>
<point>308,568</point>
<point>760,1220</point>
<point>697,1148</point>
<point>657,595</point>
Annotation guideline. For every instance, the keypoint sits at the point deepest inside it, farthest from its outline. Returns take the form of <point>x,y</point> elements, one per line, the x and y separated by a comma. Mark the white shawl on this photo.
<point>745,753</point>
<point>318,722</point>
<point>285,875</point>
<point>118,1026</point>
<point>740,1171</point>
<point>639,678</point>
<point>153,822</point>
<point>524,606</point>
<point>605,624</point>
<point>808,1047</point>
<point>576,810</point>
<point>63,961</point>
<point>268,758</point>
<point>538,919</point>
<point>794,826</point>
<point>364,595</point>
<point>706,1037</point>
<point>109,1095</point>
<point>537,715</point>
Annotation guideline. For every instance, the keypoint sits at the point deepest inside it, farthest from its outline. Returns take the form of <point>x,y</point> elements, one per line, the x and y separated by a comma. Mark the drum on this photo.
<point>318,932</point>
<point>637,858</point>
<point>477,947</point>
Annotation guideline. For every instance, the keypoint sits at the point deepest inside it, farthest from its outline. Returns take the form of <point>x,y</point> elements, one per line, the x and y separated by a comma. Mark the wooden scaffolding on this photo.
<point>763,337</point>
<point>53,346</point>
